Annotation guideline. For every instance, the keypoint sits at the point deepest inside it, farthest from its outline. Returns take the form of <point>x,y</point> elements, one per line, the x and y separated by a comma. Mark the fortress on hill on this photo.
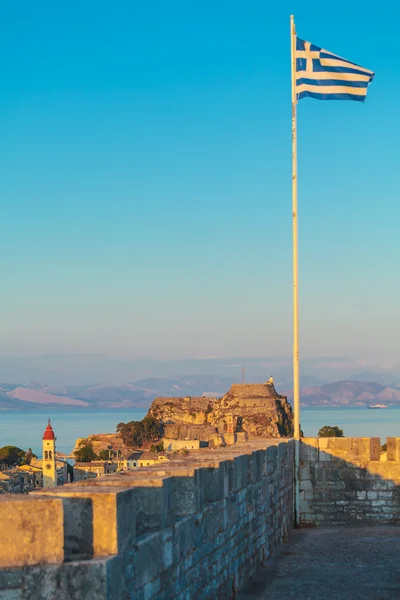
<point>246,411</point>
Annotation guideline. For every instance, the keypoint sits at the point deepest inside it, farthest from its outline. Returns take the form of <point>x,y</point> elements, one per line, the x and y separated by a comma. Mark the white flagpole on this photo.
<point>296,379</point>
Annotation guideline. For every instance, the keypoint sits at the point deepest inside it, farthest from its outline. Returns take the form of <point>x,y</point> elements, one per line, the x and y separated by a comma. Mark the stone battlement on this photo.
<point>195,527</point>
<point>348,480</point>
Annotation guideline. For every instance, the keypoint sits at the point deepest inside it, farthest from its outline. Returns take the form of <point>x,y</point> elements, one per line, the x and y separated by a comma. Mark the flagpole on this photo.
<point>296,379</point>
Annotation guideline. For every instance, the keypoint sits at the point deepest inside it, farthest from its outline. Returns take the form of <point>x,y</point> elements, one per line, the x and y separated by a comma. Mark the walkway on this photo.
<point>341,563</point>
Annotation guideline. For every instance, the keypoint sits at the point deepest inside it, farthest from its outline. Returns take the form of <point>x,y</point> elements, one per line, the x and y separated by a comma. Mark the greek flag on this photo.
<point>325,76</point>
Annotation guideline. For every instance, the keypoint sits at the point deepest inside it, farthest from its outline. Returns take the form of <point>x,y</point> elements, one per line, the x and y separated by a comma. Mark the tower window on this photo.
<point>50,455</point>
<point>46,455</point>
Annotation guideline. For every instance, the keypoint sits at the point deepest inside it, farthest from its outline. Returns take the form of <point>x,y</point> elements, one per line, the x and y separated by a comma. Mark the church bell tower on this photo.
<point>49,458</point>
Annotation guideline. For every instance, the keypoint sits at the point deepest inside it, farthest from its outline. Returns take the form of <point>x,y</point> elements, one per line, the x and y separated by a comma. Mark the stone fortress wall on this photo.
<point>193,528</point>
<point>346,481</point>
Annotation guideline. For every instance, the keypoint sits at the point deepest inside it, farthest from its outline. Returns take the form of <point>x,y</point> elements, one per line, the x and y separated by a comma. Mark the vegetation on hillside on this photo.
<point>85,452</point>
<point>157,447</point>
<point>12,455</point>
<point>330,431</point>
<point>140,433</point>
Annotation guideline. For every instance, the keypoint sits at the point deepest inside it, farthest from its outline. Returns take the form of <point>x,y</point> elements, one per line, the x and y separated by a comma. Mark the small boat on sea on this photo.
<point>377,406</point>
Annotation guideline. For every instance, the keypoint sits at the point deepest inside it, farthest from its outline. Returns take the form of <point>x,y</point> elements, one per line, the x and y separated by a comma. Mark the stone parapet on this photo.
<point>349,480</point>
<point>199,526</point>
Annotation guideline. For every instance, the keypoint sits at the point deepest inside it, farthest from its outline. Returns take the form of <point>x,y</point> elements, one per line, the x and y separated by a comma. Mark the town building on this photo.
<point>96,468</point>
<point>143,459</point>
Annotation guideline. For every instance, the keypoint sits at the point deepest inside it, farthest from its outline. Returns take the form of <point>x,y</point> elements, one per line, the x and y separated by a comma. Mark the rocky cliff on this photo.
<point>256,409</point>
<point>101,441</point>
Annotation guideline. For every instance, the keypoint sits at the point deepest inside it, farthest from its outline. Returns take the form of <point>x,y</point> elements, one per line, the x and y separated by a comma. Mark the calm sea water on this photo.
<point>25,428</point>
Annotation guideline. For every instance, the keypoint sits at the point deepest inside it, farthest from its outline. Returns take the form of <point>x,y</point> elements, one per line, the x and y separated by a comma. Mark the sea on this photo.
<point>24,428</point>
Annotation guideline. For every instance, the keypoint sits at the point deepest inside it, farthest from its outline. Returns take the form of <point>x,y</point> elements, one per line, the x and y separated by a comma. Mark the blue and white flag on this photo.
<point>325,76</point>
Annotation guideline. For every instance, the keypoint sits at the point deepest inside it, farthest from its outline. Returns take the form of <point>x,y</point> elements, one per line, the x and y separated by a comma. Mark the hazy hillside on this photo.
<point>141,393</point>
<point>350,393</point>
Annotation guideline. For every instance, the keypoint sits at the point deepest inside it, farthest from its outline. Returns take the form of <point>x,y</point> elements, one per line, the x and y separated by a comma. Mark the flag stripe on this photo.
<point>333,62</point>
<point>331,82</point>
<point>335,75</point>
<point>331,89</point>
<point>330,96</point>
<point>328,55</point>
<point>318,67</point>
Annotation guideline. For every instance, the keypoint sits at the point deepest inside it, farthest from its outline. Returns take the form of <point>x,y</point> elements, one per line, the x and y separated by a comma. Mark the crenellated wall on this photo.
<point>349,481</point>
<point>198,527</point>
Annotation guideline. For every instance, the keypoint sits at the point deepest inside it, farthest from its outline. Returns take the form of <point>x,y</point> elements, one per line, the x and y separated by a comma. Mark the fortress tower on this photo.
<point>49,458</point>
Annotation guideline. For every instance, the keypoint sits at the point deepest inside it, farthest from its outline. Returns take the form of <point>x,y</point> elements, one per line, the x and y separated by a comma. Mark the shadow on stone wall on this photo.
<point>348,481</point>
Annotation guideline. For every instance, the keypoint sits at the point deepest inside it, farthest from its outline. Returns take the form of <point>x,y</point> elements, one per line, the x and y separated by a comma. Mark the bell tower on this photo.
<point>49,458</point>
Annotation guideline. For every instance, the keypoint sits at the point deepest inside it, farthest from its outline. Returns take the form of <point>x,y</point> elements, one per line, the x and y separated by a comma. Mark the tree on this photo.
<point>330,431</point>
<point>85,453</point>
<point>11,455</point>
<point>104,454</point>
<point>138,433</point>
<point>28,457</point>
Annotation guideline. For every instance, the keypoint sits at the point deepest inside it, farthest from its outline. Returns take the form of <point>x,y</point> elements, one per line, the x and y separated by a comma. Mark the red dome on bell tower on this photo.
<point>49,433</point>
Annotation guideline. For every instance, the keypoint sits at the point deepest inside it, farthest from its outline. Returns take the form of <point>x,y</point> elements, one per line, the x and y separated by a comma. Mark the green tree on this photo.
<point>139,433</point>
<point>28,457</point>
<point>104,454</point>
<point>11,455</point>
<point>330,431</point>
<point>85,452</point>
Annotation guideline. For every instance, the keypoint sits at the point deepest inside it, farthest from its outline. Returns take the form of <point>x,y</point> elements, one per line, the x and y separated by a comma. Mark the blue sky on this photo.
<point>145,168</point>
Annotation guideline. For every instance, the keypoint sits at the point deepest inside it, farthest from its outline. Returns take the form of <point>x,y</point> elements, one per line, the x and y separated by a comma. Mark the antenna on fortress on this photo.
<point>242,374</point>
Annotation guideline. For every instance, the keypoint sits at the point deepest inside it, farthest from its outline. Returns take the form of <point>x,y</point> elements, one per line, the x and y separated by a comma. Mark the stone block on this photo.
<point>272,459</point>
<point>155,496</point>
<point>257,463</point>
<point>11,594</point>
<point>282,451</point>
<point>393,448</point>
<point>82,580</point>
<point>32,530</point>
<point>385,495</point>
<point>189,498</point>
<point>304,506</point>
<point>309,449</point>
<point>114,514</point>
<point>153,555</point>
<point>11,579</point>
<point>240,472</point>
<point>325,456</point>
<point>214,482</point>
<point>366,449</point>
<point>340,446</point>
<point>306,486</point>
<point>78,528</point>
<point>304,471</point>
<point>323,443</point>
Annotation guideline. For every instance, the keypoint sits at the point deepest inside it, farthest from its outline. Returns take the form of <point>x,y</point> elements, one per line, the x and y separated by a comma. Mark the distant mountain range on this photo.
<point>350,393</point>
<point>140,394</point>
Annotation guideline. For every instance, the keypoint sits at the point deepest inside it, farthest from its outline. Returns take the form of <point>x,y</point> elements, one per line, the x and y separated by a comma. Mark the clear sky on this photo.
<point>145,176</point>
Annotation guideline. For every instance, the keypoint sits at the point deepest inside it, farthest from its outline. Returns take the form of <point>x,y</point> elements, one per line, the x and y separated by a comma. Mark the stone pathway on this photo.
<point>340,563</point>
